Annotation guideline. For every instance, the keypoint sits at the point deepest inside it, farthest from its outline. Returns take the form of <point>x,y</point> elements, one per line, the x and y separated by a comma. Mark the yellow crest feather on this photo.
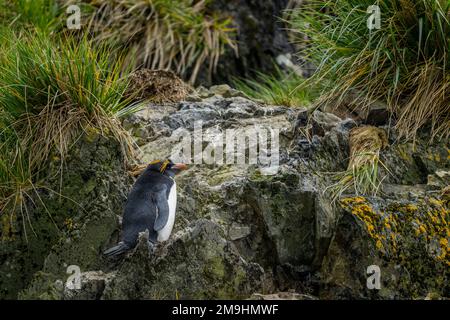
<point>164,166</point>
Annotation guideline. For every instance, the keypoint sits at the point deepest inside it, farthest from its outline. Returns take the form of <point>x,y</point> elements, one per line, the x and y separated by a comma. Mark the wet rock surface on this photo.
<point>256,230</point>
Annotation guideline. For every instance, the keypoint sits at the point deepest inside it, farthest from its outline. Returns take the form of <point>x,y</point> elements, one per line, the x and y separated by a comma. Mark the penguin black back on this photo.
<point>141,208</point>
<point>147,206</point>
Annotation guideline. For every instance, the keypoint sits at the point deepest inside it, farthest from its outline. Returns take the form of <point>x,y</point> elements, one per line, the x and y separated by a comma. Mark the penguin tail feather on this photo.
<point>116,250</point>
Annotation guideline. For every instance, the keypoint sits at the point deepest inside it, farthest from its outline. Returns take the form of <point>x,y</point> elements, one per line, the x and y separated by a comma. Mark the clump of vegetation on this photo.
<point>158,86</point>
<point>51,90</point>
<point>46,82</point>
<point>277,89</point>
<point>404,63</point>
<point>180,35</point>
<point>41,14</point>
<point>362,174</point>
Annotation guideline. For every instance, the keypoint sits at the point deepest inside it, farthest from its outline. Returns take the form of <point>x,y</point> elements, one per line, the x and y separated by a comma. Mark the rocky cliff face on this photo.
<point>76,213</point>
<point>261,37</point>
<point>244,230</point>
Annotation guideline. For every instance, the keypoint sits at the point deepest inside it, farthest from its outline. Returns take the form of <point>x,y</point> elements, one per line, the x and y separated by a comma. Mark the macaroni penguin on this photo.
<point>151,206</point>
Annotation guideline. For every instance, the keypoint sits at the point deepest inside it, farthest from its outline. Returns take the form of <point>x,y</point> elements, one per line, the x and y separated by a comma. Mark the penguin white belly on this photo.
<point>165,232</point>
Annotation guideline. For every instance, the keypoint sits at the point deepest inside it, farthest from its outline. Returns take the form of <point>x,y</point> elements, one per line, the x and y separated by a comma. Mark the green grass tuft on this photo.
<point>405,62</point>
<point>277,89</point>
<point>23,14</point>
<point>177,35</point>
<point>362,175</point>
<point>51,90</point>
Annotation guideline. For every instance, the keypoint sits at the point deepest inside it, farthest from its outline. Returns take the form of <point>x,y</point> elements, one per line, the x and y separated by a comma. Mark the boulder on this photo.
<point>197,263</point>
<point>74,222</point>
<point>405,239</point>
<point>249,229</point>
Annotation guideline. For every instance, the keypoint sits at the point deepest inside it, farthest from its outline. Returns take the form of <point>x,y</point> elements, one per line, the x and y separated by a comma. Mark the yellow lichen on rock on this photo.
<point>398,227</point>
<point>361,208</point>
<point>69,224</point>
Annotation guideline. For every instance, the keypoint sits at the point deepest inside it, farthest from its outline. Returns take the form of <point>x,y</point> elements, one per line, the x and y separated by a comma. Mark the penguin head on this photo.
<point>167,167</point>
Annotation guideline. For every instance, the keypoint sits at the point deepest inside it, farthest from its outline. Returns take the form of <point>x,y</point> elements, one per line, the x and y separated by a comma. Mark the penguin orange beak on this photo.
<point>180,166</point>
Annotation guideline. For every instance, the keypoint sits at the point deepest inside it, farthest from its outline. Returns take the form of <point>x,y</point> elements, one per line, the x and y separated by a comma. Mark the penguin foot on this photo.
<point>117,250</point>
<point>151,248</point>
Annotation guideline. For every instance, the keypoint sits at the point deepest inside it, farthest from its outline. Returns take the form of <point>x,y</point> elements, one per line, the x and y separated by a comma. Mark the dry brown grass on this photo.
<point>158,86</point>
<point>429,103</point>
<point>362,174</point>
<point>135,170</point>
<point>179,35</point>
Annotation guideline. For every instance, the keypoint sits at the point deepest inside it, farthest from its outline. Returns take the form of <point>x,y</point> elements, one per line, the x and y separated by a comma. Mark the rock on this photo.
<point>283,204</point>
<point>346,125</point>
<point>92,285</point>
<point>260,36</point>
<point>237,232</point>
<point>223,90</point>
<point>439,179</point>
<point>395,236</point>
<point>220,89</point>
<point>85,217</point>
<point>377,114</point>
<point>411,163</point>
<point>282,296</point>
<point>285,60</point>
<point>302,118</point>
<point>213,266</point>
<point>323,122</point>
<point>193,97</point>
<point>203,92</point>
<point>245,227</point>
<point>127,124</point>
<point>233,93</point>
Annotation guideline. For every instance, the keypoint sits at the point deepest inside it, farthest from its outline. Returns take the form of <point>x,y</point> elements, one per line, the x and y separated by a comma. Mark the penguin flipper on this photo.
<point>116,250</point>
<point>163,209</point>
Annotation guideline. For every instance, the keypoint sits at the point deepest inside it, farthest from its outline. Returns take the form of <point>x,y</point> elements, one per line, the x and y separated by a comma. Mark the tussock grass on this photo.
<point>16,182</point>
<point>51,90</point>
<point>404,63</point>
<point>48,88</point>
<point>277,89</point>
<point>362,174</point>
<point>22,14</point>
<point>178,35</point>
